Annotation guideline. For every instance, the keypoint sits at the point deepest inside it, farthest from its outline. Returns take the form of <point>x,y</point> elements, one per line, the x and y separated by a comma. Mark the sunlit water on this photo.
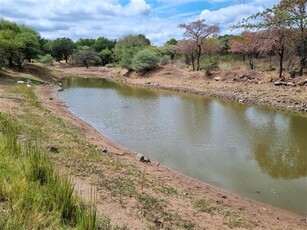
<point>255,152</point>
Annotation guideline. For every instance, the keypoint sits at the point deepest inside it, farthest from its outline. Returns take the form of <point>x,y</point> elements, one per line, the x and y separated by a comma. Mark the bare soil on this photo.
<point>186,202</point>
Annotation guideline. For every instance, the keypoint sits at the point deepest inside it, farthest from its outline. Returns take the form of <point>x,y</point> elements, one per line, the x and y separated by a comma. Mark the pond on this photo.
<point>256,152</point>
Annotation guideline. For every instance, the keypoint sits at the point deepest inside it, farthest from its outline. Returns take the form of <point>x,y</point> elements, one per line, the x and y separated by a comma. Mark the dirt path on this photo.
<point>194,205</point>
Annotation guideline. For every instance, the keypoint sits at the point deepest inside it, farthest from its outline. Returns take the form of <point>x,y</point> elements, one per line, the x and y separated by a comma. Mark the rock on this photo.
<point>218,78</point>
<point>20,82</point>
<point>241,100</point>
<point>103,150</point>
<point>279,83</point>
<point>291,84</point>
<point>302,83</point>
<point>158,223</point>
<point>142,158</point>
<point>53,149</point>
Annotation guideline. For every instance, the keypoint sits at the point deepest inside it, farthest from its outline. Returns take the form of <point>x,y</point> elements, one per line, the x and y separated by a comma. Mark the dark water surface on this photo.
<point>252,151</point>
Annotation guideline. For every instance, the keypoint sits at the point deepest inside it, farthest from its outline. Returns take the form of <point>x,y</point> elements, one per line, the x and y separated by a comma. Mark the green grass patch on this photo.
<point>32,195</point>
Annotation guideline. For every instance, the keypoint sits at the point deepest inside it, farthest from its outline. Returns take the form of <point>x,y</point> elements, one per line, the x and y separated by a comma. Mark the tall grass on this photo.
<point>32,195</point>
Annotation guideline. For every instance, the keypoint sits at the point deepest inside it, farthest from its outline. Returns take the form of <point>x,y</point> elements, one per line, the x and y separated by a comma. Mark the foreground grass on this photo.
<point>32,195</point>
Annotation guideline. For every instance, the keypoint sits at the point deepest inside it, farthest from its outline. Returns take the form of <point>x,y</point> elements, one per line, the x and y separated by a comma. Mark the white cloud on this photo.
<point>156,19</point>
<point>229,16</point>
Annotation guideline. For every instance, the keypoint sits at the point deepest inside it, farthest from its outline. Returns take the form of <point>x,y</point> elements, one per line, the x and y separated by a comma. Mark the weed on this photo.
<point>203,206</point>
<point>169,191</point>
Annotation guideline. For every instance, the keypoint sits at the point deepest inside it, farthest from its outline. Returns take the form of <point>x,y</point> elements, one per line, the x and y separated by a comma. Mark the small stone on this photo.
<point>103,150</point>
<point>53,149</point>
<point>143,158</point>
<point>279,83</point>
<point>50,98</point>
<point>291,84</point>
<point>218,78</point>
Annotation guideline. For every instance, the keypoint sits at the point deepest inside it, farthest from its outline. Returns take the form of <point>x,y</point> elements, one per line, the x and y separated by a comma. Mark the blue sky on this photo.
<point>156,19</point>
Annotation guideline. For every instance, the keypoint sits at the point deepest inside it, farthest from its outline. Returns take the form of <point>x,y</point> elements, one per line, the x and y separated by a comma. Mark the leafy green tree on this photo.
<point>85,42</point>
<point>85,57</point>
<point>17,42</point>
<point>10,46</point>
<point>172,41</point>
<point>127,47</point>
<point>30,40</point>
<point>106,56</point>
<point>145,60</point>
<point>62,48</point>
<point>103,43</point>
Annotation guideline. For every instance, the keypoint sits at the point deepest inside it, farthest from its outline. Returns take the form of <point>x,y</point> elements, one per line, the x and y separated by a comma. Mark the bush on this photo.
<point>110,65</point>
<point>165,60</point>
<point>209,64</point>
<point>145,60</point>
<point>46,60</point>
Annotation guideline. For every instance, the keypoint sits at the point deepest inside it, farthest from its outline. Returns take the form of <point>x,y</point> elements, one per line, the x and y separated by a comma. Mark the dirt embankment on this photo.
<point>148,195</point>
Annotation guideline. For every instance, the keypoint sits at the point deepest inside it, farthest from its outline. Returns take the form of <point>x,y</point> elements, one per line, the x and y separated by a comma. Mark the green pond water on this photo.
<point>256,152</point>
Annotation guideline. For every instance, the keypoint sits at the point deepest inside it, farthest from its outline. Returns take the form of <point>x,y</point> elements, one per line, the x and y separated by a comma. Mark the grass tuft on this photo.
<point>32,195</point>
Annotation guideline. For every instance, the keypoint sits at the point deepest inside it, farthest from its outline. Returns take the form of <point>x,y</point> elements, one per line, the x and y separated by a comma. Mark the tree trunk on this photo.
<point>281,61</point>
<point>198,57</point>
<point>302,66</point>
<point>251,62</point>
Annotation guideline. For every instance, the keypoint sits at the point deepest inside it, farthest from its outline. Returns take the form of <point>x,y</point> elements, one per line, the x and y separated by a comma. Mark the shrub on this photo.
<point>110,65</point>
<point>46,60</point>
<point>165,60</point>
<point>208,64</point>
<point>145,60</point>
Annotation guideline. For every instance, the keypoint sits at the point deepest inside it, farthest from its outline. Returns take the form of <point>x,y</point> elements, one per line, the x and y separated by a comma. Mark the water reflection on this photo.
<point>241,148</point>
<point>102,83</point>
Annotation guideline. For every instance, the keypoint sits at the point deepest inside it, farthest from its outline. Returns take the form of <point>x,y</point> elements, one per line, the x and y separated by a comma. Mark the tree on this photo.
<point>127,47</point>
<point>172,41</point>
<point>246,45</point>
<point>188,48</point>
<point>85,42</point>
<point>279,21</point>
<point>17,42</point>
<point>85,57</point>
<point>61,48</point>
<point>30,40</point>
<point>106,56</point>
<point>198,32</point>
<point>103,43</point>
<point>297,18</point>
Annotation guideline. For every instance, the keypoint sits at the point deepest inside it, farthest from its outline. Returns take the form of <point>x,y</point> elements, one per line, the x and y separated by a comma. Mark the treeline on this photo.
<point>278,36</point>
